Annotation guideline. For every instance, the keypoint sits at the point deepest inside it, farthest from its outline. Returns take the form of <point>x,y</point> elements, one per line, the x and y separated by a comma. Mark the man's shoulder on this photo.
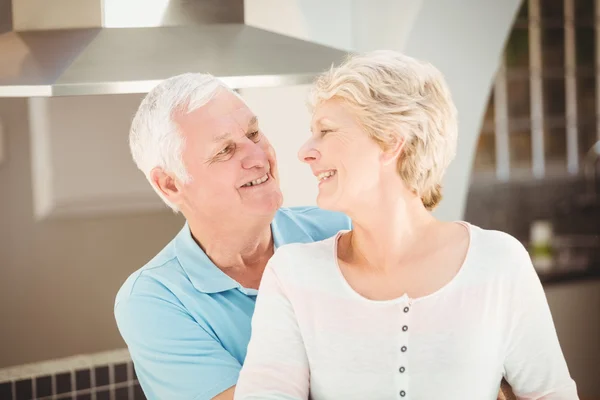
<point>154,278</point>
<point>318,223</point>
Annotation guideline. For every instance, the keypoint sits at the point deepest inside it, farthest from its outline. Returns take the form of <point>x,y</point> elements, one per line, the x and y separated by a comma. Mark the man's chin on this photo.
<point>263,206</point>
<point>274,205</point>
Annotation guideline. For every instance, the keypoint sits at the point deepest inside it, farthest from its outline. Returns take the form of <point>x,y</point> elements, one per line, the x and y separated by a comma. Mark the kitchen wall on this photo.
<point>60,275</point>
<point>5,15</point>
<point>58,278</point>
<point>575,310</point>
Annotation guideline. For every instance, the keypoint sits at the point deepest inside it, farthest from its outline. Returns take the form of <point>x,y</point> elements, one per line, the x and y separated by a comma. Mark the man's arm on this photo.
<point>174,357</point>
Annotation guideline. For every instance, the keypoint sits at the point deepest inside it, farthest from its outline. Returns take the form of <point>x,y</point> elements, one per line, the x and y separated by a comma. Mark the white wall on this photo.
<point>284,118</point>
<point>282,111</point>
<point>450,34</point>
<point>446,33</point>
<point>326,22</point>
<point>384,24</point>
<point>345,24</point>
<point>464,39</point>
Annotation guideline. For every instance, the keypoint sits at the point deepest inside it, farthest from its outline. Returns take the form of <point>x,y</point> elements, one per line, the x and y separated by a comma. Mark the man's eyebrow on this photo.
<point>227,135</point>
<point>253,121</point>
<point>221,137</point>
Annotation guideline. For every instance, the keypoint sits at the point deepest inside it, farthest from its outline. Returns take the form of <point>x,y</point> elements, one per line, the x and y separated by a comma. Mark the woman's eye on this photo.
<point>325,131</point>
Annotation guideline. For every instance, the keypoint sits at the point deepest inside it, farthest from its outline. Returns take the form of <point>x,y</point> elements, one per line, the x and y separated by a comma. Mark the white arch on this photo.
<point>465,40</point>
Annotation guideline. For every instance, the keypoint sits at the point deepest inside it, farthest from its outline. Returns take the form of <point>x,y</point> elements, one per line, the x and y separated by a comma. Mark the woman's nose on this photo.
<point>308,153</point>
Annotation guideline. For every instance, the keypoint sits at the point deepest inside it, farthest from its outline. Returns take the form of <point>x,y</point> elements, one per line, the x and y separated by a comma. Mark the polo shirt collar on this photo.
<point>203,274</point>
<point>206,276</point>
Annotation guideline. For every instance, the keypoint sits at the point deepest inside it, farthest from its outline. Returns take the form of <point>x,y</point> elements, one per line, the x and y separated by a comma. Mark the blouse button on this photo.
<point>403,349</point>
<point>405,309</point>
<point>402,369</point>
<point>402,393</point>
<point>404,328</point>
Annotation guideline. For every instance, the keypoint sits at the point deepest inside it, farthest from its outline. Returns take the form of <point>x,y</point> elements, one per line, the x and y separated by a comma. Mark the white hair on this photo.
<point>396,97</point>
<point>154,138</point>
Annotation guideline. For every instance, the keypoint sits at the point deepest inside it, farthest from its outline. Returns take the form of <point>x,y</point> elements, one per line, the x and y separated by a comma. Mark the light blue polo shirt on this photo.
<point>187,324</point>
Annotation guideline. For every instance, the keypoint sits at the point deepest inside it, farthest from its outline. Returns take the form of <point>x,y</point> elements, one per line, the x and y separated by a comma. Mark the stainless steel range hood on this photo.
<point>133,58</point>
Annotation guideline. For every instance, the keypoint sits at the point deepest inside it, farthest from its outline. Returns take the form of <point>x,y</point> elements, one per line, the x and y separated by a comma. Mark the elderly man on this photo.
<point>185,315</point>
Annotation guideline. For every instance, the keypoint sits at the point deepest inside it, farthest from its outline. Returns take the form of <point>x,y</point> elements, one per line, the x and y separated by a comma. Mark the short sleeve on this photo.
<point>276,365</point>
<point>320,224</point>
<point>174,357</point>
<point>534,363</point>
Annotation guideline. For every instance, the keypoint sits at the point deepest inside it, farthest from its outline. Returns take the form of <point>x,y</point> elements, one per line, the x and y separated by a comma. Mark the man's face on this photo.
<point>231,164</point>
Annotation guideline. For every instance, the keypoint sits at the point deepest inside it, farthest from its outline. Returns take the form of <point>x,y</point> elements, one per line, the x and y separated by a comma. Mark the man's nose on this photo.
<point>256,157</point>
<point>308,152</point>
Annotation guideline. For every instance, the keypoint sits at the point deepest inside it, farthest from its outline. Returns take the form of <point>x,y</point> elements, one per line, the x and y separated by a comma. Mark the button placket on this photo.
<point>402,367</point>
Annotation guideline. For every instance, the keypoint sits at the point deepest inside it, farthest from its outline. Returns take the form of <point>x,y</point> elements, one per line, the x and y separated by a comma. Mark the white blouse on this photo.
<point>312,333</point>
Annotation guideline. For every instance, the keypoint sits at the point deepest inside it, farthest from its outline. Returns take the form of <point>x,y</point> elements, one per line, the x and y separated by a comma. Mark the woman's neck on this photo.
<point>385,236</point>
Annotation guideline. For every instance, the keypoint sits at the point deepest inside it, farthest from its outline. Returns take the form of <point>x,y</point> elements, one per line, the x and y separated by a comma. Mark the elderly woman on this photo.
<point>403,306</point>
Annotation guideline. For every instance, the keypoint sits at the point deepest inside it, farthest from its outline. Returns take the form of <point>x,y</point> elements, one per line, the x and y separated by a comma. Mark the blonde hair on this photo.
<point>398,98</point>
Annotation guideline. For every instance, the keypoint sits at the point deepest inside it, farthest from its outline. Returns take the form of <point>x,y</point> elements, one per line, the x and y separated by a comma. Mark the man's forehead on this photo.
<point>222,113</point>
<point>242,116</point>
<point>223,104</point>
<point>235,120</point>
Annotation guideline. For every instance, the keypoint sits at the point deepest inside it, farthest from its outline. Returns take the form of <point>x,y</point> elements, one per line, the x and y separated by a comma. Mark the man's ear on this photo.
<point>391,154</point>
<point>166,184</point>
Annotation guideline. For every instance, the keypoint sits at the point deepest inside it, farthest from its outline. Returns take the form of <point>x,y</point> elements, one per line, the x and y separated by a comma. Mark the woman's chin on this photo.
<point>327,202</point>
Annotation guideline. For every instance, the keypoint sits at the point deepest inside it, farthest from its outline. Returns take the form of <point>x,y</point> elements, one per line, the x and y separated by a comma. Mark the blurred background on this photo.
<point>76,217</point>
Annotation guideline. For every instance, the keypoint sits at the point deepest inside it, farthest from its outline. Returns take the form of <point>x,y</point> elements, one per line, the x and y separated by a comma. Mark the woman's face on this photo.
<point>345,160</point>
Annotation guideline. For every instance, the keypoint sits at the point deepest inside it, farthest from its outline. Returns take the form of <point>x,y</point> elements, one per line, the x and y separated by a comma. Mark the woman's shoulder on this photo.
<point>501,251</point>
<point>496,242</point>
<point>302,258</point>
<point>302,251</point>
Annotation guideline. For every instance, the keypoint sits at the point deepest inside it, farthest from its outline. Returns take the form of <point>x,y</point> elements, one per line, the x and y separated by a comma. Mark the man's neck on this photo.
<point>235,246</point>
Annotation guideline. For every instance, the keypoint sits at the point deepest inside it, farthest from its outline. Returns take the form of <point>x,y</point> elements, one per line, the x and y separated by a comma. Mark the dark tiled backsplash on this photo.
<point>104,382</point>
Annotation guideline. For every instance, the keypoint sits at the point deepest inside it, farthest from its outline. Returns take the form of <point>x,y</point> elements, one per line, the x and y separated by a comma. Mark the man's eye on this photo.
<point>226,150</point>
<point>253,135</point>
<point>325,131</point>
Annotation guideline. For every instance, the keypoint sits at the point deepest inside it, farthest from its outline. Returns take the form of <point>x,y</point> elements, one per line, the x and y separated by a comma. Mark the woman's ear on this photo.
<point>391,154</point>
